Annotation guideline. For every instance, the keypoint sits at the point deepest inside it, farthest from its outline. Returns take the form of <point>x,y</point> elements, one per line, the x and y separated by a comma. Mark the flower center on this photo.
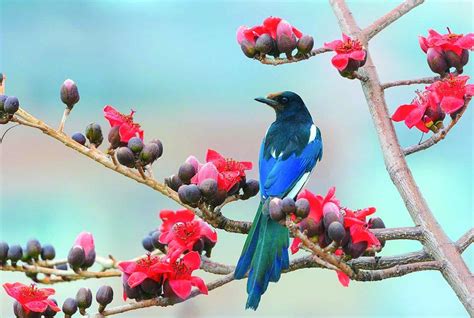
<point>452,37</point>
<point>181,269</point>
<point>145,263</point>
<point>184,230</point>
<point>349,46</point>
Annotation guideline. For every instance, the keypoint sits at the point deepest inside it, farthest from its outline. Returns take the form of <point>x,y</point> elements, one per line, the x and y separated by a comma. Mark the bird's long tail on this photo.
<point>265,254</point>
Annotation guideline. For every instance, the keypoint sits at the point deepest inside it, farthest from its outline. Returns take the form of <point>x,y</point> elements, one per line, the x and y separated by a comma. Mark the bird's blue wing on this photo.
<point>279,175</point>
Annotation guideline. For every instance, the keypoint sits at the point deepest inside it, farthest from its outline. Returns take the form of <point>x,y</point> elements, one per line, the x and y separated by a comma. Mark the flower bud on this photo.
<point>189,193</point>
<point>186,172</point>
<point>84,298</point>
<point>76,257</point>
<point>437,61</point>
<point>174,182</point>
<point>33,248</point>
<point>3,98</point>
<point>198,246</point>
<point>132,293</point>
<point>125,157</point>
<point>302,208</point>
<point>352,66</point>
<point>94,134</point>
<point>248,48</point>
<point>436,115</point>
<point>69,93</point>
<point>104,296</point>
<point>288,206</point>
<point>286,40</point>
<point>15,253</point>
<point>49,312</point>
<point>208,188</point>
<point>147,244</point>
<point>265,44</point>
<point>160,147</point>
<point>336,232</point>
<point>250,188</point>
<point>219,198</point>
<point>149,154</point>
<point>11,105</point>
<point>151,288</point>
<point>276,210</point>
<point>89,260</point>
<point>305,44</point>
<point>208,245</point>
<point>234,190</point>
<point>135,144</point>
<point>311,227</point>
<point>457,61</point>
<point>79,138</point>
<point>18,310</point>
<point>48,253</point>
<point>355,249</point>
<point>114,137</point>
<point>155,239</point>
<point>69,307</point>
<point>3,252</point>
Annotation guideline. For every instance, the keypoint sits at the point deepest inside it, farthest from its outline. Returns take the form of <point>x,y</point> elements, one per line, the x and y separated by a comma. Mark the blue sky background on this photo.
<point>178,65</point>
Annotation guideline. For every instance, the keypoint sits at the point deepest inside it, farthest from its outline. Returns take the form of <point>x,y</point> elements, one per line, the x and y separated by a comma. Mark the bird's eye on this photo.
<point>284,100</point>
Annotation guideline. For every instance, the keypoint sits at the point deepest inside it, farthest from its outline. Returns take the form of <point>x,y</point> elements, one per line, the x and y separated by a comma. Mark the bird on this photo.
<point>288,154</point>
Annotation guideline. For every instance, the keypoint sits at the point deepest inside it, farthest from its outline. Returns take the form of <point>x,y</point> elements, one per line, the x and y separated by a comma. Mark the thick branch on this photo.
<point>397,271</point>
<point>390,17</point>
<point>436,242</point>
<point>423,80</point>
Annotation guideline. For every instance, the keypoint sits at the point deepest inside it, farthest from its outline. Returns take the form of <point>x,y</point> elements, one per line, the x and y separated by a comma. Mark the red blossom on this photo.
<point>451,92</point>
<point>127,128</point>
<point>447,42</point>
<point>31,298</point>
<point>180,279</point>
<point>180,231</point>
<point>270,26</point>
<point>356,223</point>
<point>346,49</point>
<point>86,241</point>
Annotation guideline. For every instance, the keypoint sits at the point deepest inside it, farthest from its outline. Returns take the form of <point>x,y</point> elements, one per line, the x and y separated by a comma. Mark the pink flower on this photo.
<point>230,171</point>
<point>358,227</point>
<point>86,241</point>
<point>31,298</point>
<point>127,128</point>
<point>451,92</point>
<point>346,50</point>
<point>447,42</point>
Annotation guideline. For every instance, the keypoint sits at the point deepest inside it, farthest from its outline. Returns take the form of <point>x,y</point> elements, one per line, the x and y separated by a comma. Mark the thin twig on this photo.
<point>280,61</point>
<point>424,80</point>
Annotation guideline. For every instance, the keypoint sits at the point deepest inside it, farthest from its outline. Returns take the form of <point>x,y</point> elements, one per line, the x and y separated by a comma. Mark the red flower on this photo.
<point>245,33</point>
<point>341,276</point>
<point>180,279</point>
<point>358,226</point>
<point>127,128</point>
<point>180,231</point>
<point>347,49</point>
<point>447,42</point>
<point>86,241</point>
<point>421,113</point>
<point>31,298</point>
<point>451,92</point>
<point>135,272</point>
<point>270,26</point>
<point>230,171</point>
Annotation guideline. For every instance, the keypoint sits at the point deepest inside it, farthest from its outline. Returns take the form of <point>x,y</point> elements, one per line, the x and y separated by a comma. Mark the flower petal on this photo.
<point>181,287</point>
<point>36,306</point>
<point>358,55</point>
<point>136,279</point>
<point>343,278</point>
<point>199,283</point>
<point>333,45</point>
<point>451,104</point>
<point>295,245</point>
<point>192,260</point>
<point>402,112</point>
<point>340,61</point>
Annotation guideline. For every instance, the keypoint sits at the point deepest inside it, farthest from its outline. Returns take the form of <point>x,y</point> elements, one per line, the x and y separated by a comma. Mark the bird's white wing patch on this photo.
<point>299,185</point>
<point>312,133</point>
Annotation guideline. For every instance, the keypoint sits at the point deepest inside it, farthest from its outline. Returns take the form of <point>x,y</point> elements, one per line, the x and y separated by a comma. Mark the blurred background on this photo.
<point>178,65</point>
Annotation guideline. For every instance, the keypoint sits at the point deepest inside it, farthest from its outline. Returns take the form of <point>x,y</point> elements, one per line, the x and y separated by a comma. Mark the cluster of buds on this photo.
<point>182,238</point>
<point>138,154</point>
<point>8,107</point>
<point>82,255</point>
<point>29,254</point>
<point>213,181</point>
<point>83,300</point>
<point>273,37</point>
<point>446,51</point>
<point>350,55</point>
<point>325,222</point>
<point>428,110</point>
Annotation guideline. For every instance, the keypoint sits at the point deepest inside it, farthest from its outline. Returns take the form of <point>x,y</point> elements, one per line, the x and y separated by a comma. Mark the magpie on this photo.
<point>290,150</point>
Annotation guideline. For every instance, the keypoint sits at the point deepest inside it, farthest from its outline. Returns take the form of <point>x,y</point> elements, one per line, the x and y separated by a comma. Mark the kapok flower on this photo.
<point>350,54</point>
<point>127,128</point>
<point>136,272</point>
<point>451,92</point>
<point>355,222</point>
<point>85,240</point>
<point>31,298</point>
<point>230,171</point>
<point>180,280</point>
<point>447,42</point>
<point>423,112</point>
<point>180,231</point>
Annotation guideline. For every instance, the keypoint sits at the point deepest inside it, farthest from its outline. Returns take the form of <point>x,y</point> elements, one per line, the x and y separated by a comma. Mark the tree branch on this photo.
<point>423,80</point>
<point>397,271</point>
<point>280,61</point>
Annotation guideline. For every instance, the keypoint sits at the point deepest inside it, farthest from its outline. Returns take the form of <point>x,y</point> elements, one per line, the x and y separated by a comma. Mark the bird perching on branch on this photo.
<point>289,152</point>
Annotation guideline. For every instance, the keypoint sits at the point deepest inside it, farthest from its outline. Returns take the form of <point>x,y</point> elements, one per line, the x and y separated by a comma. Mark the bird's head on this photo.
<point>285,104</point>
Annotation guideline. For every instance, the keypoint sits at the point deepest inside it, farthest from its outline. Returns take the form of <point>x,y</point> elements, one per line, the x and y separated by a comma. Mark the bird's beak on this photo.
<point>269,102</point>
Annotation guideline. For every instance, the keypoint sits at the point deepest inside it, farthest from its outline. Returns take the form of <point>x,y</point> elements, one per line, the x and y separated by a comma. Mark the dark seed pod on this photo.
<point>49,312</point>
<point>94,134</point>
<point>104,296</point>
<point>276,210</point>
<point>174,182</point>
<point>135,144</point>
<point>250,188</point>
<point>69,93</point>
<point>132,293</point>
<point>84,298</point>
<point>302,208</point>
<point>3,252</point>
<point>355,249</point>
<point>89,260</point>
<point>147,244</point>
<point>151,287</point>
<point>336,232</point>
<point>15,253</point>
<point>3,98</point>
<point>192,193</point>
<point>160,147</point>
<point>168,291</point>
<point>76,257</point>
<point>33,248</point>
<point>208,188</point>
<point>114,137</point>
<point>219,198</point>
<point>437,61</point>
<point>248,48</point>
<point>148,154</point>
<point>18,310</point>
<point>155,239</point>
<point>182,193</point>
<point>288,206</point>
<point>286,44</point>
<point>376,223</point>
<point>305,44</point>
<point>311,227</point>
<point>62,267</point>
<point>125,157</point>
<point>69,307</point>
<point>47,252</point>
<point>330,217</point>
<point>234,190</point>
<point>208,246</point>
<point>198,246</point>
<point>11,105</point>
<point>186,172</point>
<point>265,44</point>
<point>352,66</point>
<point>79,138</point>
